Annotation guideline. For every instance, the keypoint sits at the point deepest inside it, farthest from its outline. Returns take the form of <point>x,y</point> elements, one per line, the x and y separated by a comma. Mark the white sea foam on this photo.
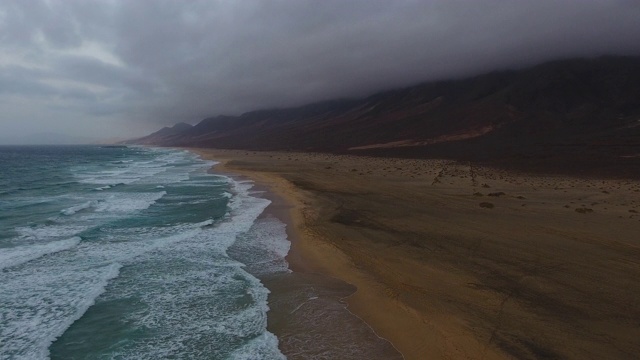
<point>264,247</point>
<point>205,223</point>
<point>29,201</point>
<point>178,306</point>
<point>10,257</point>
<point>39,304</point>
<point>41,301</point>
<point>128,202</point>
<point>122,174</point>
<point>262,347</point>
<point>115,205</point>
<point>167,167</point>
<point>48,232</point>
<point>271,234</point>
<point>74,209</point>
<point>249,320</point>
<point>176,270</point>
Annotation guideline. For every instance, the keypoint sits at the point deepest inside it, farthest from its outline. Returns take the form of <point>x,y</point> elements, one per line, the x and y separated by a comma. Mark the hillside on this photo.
<point>571,116</point>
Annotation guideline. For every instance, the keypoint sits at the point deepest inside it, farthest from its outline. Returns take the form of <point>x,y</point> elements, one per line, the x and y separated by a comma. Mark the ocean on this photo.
<point>143,253</point>
<point>120,252</point>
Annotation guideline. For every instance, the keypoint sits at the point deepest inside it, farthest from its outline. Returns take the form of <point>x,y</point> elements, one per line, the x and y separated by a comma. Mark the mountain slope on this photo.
<point>584,111</point>
<point>161,135</point>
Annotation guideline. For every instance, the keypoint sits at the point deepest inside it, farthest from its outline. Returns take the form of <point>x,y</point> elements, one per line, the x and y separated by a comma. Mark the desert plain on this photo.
<point>455,260</point>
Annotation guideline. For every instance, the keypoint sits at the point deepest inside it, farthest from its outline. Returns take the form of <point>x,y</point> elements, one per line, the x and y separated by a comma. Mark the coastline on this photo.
<point>308,271</point>
<point>310,254</point>
<point>439,276</point>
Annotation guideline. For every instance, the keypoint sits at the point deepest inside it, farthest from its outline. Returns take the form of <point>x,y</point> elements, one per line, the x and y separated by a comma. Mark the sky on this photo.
<point>115,69</point>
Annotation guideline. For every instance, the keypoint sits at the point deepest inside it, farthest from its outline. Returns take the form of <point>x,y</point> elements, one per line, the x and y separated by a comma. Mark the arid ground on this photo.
<point>455,261</point>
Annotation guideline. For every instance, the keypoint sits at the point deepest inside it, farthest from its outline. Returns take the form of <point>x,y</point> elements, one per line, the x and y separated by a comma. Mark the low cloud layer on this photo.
<point>104,69</point>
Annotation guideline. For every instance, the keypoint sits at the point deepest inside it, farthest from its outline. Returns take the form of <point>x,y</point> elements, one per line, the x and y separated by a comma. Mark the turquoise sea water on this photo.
<point>122,253</point>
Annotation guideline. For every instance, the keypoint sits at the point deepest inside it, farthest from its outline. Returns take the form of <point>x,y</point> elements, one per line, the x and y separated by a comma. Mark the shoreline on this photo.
<point>439,276</point>
<point>308,254</point>
<point>286,208</point>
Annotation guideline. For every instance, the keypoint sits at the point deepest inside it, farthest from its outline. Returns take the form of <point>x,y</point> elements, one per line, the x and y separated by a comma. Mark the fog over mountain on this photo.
<point>125,68</point>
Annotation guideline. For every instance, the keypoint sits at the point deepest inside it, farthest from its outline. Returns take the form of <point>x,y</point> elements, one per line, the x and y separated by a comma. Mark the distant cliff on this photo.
<point>161,135</point>
<point>562,113</point>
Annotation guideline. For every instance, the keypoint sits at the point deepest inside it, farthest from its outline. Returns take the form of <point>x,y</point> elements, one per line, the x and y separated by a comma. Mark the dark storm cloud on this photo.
<point>169,61</point>
<point>91,71</point>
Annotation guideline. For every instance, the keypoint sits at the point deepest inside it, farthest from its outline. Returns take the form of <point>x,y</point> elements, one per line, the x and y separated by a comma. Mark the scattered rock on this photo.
<point>497,194</point>
<point>487,205</point>
<point>584,210</point>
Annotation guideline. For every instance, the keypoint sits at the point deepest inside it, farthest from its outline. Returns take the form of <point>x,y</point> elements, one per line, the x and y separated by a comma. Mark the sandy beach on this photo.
<point>455,261</point>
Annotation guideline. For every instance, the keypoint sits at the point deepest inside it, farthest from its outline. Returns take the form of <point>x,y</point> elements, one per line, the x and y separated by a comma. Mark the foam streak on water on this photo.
<point>122,253</point>
<point>21,254</point>
<point>37,308</point>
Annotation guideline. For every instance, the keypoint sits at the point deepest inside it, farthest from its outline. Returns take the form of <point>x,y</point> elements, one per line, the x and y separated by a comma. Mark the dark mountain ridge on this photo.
<point>572,116</point>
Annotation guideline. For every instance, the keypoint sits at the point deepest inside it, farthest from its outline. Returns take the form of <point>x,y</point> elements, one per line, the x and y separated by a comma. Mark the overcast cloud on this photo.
<point>123,68</point>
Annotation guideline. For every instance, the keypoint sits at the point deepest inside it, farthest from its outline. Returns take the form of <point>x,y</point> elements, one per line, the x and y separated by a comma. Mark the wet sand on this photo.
<point>307,309</point>
<point>461,261</point>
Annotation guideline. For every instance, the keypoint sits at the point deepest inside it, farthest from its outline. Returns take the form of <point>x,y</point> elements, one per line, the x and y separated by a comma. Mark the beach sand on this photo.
<point>455,261</point>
